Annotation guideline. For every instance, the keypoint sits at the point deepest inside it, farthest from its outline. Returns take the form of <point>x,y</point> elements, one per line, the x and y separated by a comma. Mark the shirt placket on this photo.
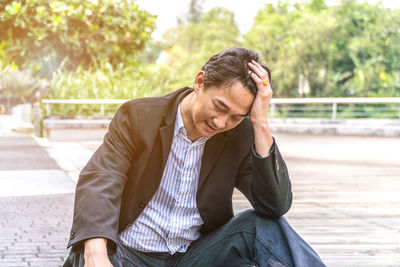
<point>183,186</point>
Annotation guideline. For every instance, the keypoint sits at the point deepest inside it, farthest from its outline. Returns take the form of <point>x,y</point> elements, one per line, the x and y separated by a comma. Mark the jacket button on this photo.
<point>277,165</point>
<point>142,205</point>
<point>72,235</point>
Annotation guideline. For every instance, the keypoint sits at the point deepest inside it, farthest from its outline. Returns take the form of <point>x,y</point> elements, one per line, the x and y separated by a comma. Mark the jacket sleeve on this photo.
<point>265,182</point>
<point>101,182</point>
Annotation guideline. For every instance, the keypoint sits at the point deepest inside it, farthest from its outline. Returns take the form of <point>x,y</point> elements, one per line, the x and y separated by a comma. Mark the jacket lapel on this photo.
<point>166,136</point>
<point>212,150</point>
<point>167,127</point>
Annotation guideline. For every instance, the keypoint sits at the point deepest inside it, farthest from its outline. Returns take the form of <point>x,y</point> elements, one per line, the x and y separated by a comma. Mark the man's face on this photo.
<point>218,109</point>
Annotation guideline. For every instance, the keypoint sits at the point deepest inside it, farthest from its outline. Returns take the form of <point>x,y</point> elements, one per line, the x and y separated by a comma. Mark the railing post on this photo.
<point>334,110</point>
<point>272,110</point>
<point>47,109</point>
<point>37,119</point>
<point>102,109</point>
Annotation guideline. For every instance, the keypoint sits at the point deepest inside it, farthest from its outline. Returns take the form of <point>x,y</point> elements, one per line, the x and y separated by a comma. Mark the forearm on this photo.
<point>270,185</point>
<point>262,138</point>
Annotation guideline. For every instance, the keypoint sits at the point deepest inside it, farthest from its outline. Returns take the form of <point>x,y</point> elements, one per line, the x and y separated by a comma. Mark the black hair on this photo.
<point>229,66</point>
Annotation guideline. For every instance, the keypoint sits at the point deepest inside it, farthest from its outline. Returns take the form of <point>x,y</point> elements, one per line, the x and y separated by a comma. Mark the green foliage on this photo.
<point>16,83</point>
<point>375,53</point>
<point>105,82</point>
<point>188,46</point>
<point>293,43</point>
<point>151,52</point>
<point>40,34</point>
<point>346,49</point>
<point>102,49</point>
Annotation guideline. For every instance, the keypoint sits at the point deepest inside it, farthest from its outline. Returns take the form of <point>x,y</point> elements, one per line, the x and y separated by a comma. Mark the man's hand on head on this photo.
<point>96,253</point>
<point>259,110</point>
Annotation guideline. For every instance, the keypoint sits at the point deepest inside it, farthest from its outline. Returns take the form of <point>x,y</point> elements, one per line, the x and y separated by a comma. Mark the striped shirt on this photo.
<point>171,220</point>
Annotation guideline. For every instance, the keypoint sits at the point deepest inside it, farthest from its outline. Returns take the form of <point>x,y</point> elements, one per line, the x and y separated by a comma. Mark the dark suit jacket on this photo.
<point>124,173</point>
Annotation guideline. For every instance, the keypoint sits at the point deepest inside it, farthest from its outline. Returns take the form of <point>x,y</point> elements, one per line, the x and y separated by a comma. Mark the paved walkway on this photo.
<point>36,201</point>
<point>346,196</point>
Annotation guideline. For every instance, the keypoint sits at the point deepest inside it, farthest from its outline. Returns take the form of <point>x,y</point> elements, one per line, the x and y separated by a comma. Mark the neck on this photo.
<point>186,114</point>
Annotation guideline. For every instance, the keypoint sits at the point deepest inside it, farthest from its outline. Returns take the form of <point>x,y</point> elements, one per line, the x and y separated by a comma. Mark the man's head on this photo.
<point>223,94</point>
<point>229,66</point>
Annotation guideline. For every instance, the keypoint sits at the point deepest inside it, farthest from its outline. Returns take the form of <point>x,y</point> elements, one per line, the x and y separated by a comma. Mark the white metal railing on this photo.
<point>334,101</point>
<point>101,102</point>
<point>274,102</point>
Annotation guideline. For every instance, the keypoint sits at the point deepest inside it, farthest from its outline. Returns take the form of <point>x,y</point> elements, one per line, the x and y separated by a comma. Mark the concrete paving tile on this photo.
<point>35,182</point>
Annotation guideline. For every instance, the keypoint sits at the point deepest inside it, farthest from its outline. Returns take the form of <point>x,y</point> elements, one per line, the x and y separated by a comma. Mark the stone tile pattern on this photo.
<point>34,230</point>
<point>23,153</point>
<point>346,201</point>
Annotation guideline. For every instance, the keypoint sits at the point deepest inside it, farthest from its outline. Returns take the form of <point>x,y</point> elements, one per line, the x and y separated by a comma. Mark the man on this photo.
<point>158,191</point>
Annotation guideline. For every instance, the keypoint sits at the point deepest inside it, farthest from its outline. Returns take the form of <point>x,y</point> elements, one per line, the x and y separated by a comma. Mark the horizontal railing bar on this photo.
<point>84,101</point>
<point>273,100</point>
<point>330,108</point>
<point>336,100</point>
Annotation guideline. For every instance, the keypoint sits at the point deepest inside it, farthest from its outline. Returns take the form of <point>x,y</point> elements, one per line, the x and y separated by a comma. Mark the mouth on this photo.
<point>210,129</point>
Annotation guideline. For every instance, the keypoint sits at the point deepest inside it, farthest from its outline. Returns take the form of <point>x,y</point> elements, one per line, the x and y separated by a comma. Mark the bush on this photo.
<point>40,34</point>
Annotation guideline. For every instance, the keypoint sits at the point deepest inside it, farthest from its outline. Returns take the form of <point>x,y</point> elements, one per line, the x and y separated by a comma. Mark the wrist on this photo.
<point>95,246</point>
<point>260,125</point>
<point>262,139</point>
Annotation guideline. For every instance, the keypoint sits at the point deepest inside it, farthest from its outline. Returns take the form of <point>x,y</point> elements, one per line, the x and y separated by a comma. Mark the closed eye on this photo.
<point>218,108</point>
<point>223,108</point>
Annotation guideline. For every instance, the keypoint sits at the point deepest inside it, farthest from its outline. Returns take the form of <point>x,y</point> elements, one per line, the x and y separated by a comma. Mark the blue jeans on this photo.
<point>248,239</point>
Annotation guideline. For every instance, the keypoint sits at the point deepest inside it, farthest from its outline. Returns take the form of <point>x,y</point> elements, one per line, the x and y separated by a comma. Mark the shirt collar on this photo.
<point>179,127</point>
<point>178,122</point>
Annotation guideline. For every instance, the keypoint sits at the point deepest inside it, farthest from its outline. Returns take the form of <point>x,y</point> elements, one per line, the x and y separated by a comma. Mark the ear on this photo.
<point>199,81</point>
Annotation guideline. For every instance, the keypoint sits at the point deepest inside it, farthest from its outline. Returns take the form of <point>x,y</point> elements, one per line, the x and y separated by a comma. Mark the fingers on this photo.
<point>255,77</point>
<point>261,78</point>
<point>259,74</point>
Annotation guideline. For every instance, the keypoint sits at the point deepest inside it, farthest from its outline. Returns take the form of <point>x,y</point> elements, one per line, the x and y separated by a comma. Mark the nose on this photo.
<point>220,122</point>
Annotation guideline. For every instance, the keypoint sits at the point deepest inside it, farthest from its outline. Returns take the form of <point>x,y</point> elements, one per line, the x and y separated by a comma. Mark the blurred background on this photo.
<point>99,49</point>
<point>66,66</point>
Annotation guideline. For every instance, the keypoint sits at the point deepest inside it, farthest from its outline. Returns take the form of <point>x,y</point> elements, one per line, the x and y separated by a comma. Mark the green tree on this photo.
<point>374,51</point>
<point>295,41</point>
<point>189,45</point>
<point>40,34</point>
<point>350,48</point>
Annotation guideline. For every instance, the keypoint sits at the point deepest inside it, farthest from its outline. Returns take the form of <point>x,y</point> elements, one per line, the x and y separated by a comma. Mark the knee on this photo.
<point>252,217</point>
<point>251,220</point>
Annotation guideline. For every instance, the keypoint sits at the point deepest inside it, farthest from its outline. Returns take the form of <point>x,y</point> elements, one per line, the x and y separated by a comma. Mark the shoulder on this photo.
<point>151,105</point>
